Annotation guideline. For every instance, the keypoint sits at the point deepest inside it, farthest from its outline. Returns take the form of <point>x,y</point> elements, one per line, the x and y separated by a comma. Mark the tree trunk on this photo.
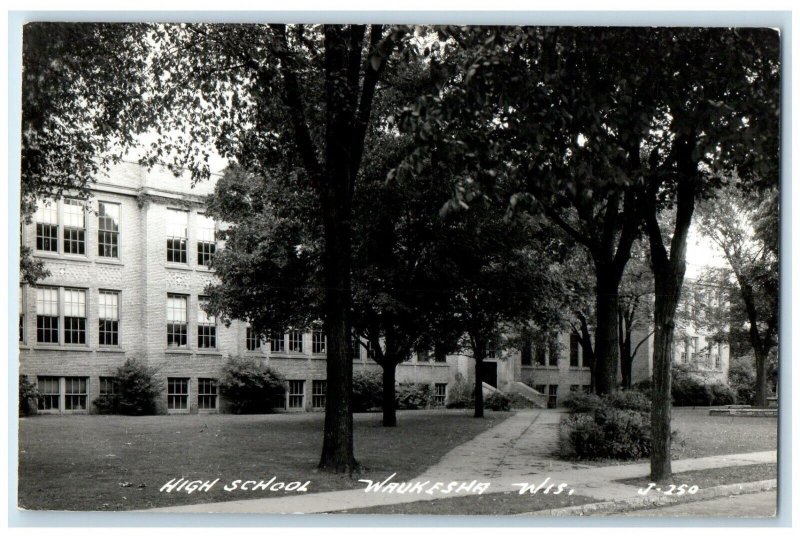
<point>761,378</point>
<point>625,355</point>
<point>606,347</point>
<point>337,447</point>
<point>669,269</point>
<point>480,353</point>
<point>389,394</point>
<point>664,321</point>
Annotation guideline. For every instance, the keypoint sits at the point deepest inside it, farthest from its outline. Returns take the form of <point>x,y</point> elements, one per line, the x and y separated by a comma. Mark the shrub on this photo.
<point>413,395</point>
<point>138,388</point>
<point>107,404</point>
<point>367,391</point>
<point>687,389</point>
<point>620,434</point>
<point>631,400</point>
<point>645,387</point>
<point>249,386</point>
<point>720,394</point>
<point>461,395</point>
<point>28,397</point>
<point>498,401</point>
<point>742,379</point>
<point>581,402</point>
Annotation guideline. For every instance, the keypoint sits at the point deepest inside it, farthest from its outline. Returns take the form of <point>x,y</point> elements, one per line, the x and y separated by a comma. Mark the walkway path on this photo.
<point>519,450</point>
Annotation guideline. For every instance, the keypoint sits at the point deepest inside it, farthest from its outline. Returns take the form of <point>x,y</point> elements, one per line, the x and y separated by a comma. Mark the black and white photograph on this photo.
<point>271,267</point>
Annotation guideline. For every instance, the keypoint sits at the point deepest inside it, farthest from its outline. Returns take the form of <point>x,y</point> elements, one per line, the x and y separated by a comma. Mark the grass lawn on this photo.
<point>708,478</point>
<point>489,504</point>
<point>700,434</point>
<point>94,462</point>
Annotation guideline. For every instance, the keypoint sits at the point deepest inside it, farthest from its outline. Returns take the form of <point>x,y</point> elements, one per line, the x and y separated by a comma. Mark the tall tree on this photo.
<point>745,228</point>
<point>497,273</point>
<point>258,94</point>
<point>558,117</point>
<point>717,95</point>
<point>302,94</point>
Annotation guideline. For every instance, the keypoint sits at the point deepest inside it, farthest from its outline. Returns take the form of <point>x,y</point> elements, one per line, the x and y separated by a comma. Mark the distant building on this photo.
<point>692,345</point>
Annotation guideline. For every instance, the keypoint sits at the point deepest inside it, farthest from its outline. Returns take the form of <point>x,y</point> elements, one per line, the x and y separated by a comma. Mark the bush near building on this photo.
<point>367,391</point>
<point>615,426</point>
<point>137,392</point>
<point>28,397</point>
<point>742,379</point>
<point>498,401</point>
<point>692,389</point>
<point>413,395</point>
<point>249,386</point>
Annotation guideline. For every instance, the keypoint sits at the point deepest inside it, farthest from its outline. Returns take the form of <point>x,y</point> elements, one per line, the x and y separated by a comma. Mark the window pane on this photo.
<point>108,230</point>
<point>50,393</point>
<point>176,308</point>
<point>206,393</point>
<point>75,393</point>
<point>176,321</point>
<point>108,305</point>
<point>73,213</point>
<point>296,341</point>
<point>296,394</point>
<point>177,393</point>
<point>177,234</point>
<point>75,303</point>
<point>47,301</point>
<point>46,219</point>
<point>205,229</point>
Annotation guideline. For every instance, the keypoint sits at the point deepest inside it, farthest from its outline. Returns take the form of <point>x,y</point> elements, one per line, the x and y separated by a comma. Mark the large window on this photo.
<point>108,230</point>
<point>319,389</point>
<point>178,393</point>
<point>573,350</point>
<point>177,235</point>
<point>277,343</point>
<point>296,394</point>
<point>439,393</point>
<point>718,358</point>
<point>318,341</point>
<point>75,393</point>
<point>176,320</point>
<point>296,341</point>
<point>108,312</point>
<point>206,393</point>
<point>206,327</point>
<point>47,227</point>
<point>47,315</point>
<point>74,316</point>
<point>49,393</point>
<point>252,340</point>
<point>74,227</point>
<point>206,240</point>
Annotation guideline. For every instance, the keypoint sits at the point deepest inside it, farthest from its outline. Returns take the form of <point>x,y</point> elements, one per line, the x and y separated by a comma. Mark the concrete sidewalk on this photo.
<point>519,450</point>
